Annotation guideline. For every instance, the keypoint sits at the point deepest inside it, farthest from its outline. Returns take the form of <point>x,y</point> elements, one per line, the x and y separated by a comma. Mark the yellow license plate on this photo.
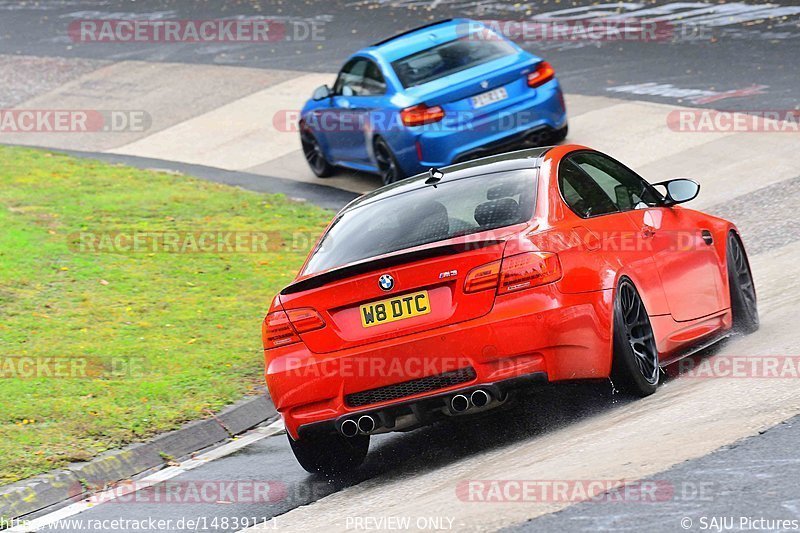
<point>393,309</point>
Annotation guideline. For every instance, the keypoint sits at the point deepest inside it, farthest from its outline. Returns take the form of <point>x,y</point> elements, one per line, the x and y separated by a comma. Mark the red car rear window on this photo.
<point>425,215</point>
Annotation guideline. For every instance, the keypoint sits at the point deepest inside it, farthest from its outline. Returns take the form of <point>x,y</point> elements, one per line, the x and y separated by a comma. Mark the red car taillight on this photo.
<point>305,319</point>
<point>544,72</point>
<point>483,277</point>
<point>283,327</point>
<point>421,114</point>
<point>515,273</point>
<point>278,331</point>
<point>528,270</point>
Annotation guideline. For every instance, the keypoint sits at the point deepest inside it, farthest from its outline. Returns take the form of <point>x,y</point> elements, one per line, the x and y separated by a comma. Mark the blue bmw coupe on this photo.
<point>444,93</point>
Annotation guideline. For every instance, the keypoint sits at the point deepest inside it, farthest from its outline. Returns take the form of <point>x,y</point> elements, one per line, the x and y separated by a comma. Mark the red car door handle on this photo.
<point>648,231</point>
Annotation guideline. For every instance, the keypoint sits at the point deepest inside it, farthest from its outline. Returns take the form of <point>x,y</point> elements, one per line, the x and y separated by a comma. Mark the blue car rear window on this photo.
<point>426,215</point>
<point>451,57</point>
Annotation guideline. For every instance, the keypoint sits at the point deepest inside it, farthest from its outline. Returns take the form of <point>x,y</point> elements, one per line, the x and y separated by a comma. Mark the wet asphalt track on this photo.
<point>748,485</point>
<point>391,456</point>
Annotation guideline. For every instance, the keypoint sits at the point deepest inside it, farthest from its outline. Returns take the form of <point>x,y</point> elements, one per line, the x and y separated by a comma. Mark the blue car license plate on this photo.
<point>489,97</point>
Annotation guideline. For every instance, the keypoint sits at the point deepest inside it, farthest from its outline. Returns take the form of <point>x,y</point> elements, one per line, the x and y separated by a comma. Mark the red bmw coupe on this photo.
<point>443,294</point>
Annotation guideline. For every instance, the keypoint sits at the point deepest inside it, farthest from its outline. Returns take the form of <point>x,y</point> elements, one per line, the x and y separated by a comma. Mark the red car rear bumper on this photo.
<point>541,333</point>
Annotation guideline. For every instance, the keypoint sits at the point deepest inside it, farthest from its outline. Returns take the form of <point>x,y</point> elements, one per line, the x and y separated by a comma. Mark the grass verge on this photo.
<point>126,344</point>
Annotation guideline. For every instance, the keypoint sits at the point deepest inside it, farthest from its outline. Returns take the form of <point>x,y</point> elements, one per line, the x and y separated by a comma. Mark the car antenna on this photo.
<point>434,176</point>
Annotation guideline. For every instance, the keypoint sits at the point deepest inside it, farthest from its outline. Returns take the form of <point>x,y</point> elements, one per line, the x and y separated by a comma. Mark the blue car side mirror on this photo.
<point>321,93</point>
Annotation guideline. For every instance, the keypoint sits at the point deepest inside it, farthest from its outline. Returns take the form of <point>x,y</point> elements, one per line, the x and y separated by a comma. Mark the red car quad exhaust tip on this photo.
<point>349,428</point>
<point>367,424</point>
<point>459,403</point>
<point>480,398</point>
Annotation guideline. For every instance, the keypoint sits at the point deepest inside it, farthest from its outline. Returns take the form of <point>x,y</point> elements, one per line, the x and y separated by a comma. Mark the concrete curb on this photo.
<point>37,493</point>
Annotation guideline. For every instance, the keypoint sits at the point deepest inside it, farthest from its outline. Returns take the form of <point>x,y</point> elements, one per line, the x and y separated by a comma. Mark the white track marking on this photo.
<point>184,92</point>
<point>244,133</point>
<point>245,440</point>
<point>722,176</point>
<point>636,133</point>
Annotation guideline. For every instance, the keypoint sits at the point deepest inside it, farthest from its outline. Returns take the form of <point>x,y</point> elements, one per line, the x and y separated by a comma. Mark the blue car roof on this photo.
<point>422,38</point>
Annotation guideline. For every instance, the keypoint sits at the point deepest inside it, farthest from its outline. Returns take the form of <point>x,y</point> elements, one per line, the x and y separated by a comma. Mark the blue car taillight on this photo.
<point>544,72</point>
<point>421,114</point>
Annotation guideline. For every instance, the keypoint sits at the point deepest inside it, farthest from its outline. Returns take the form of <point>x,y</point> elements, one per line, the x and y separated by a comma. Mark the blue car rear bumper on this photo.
<point>447,142</point>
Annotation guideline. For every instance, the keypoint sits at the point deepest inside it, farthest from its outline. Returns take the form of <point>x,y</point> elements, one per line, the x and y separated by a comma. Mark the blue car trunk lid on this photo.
<point>454,93</point>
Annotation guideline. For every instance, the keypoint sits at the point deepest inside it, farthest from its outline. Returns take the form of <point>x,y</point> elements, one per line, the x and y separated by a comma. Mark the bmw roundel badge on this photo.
<point>386,282</point>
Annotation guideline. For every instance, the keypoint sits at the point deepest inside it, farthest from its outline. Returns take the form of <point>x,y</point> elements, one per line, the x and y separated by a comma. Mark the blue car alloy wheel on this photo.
<point>443,93</point>
<point>314,154</point>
